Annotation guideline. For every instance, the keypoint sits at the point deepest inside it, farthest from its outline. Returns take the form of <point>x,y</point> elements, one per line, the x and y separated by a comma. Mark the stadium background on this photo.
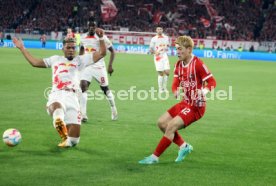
<point>234,143</point>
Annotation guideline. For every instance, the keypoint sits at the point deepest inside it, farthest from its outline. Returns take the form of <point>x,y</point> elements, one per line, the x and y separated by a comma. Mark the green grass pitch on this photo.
<point>234,143</point>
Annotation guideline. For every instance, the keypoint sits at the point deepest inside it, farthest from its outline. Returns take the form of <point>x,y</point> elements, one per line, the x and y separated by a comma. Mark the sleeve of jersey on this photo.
<point>168,42</point>
<point>203,71</point>
<point>207,76</point>
<point>108,43</point>
<point>49,61</point>
<point>176,81</point>
<point>175,84</point>
<point>152,43</point>
<point>211,83</point>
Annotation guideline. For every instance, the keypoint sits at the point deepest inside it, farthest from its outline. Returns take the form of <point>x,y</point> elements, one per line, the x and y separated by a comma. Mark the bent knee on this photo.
<point>161,73</point>
<point>84,85</point>
<point>51,108</point>
<point>161,123</point>
<point>172,127</point>
<point>105,89</point>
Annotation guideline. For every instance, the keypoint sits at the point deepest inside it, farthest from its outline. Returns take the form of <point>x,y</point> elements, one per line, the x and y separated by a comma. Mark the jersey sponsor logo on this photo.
<point>158,58</point>
<point>59,83</point>
<point>187,84</point>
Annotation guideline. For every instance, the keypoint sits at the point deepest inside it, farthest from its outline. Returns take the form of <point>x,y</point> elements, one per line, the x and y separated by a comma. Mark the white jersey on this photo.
<point>160,44</point>
<point>92,44</point>
<point>65,73</point>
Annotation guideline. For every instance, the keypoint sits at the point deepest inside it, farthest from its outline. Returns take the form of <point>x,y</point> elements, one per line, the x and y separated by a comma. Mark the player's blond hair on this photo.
<point>185,41</point>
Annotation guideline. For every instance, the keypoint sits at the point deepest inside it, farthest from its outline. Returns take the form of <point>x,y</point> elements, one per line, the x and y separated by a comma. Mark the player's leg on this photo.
<point>160,80</point>
<point>163,122</point>
<point>165,80</point>
<point>170,123</point>
<point>188,115</point>
<point>84,84</point>
<point>73,120</point>
<point>166,64</point>
<point>111,100</point>
<point>56,110</point>
<point>173,125</point>
<point>160,70</point>
<point>73,136</point>
<point>101,76</point>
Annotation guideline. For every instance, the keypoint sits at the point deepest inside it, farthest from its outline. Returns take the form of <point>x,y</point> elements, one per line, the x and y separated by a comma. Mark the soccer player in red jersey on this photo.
<point>195,80</point>
<point>70,33</point>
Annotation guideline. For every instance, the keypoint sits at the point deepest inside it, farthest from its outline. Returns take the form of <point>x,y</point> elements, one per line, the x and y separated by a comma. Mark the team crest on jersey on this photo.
<point>162,45</point>
<point>68,64</point>
<point>192,76</point>
<point>90,49</point>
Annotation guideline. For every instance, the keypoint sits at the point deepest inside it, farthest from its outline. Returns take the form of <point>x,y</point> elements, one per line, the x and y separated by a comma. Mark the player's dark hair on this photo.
<point>91,21</point>
<point>69,40</point>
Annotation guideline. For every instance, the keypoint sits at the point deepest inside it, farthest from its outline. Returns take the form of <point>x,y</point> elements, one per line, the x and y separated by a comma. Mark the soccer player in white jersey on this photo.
<point>159,46</point>
<point>97,71</point>
<point>63,104</point>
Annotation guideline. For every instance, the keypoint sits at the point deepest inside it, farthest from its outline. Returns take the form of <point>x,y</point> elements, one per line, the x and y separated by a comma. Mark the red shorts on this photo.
<point>188,113</point>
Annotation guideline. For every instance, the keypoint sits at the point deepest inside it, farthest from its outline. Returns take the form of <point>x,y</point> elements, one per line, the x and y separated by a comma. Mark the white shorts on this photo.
<point>97,73</point>
<point>161,62</point>
<point>70,105</point>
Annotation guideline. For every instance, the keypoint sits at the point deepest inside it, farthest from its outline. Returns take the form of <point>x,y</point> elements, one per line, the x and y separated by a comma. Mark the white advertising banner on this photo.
<point>144,39</point>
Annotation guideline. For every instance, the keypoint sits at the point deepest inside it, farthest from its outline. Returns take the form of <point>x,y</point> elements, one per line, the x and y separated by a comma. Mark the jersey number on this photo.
<point>185,111</point>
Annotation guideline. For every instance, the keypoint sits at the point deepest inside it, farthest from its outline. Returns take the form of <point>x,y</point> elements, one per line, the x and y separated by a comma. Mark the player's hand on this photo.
<point>18,43</point>
<point>176,94</point>
<point>99,32</point>
<point>110,70</point>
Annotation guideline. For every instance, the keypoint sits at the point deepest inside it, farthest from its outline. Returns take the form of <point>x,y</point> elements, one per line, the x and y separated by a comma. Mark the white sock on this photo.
<point>183,145</point>
<point>165,82</point>
<point>58,113</point>
<point>83,103</point>
<point>154,157</point>
<point>72,141</point>
<point>110,98</point>
<point>160,82</point>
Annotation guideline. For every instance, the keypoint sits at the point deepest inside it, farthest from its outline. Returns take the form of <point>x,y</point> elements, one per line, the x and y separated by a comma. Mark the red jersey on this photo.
<point>70,35</point>
<point>190,79</point>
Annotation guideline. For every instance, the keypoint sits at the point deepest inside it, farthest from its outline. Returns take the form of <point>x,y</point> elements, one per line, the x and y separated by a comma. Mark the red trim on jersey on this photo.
<point>90,37</point>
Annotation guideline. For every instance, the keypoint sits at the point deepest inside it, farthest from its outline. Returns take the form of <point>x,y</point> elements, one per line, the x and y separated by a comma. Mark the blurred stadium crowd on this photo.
<point>249,20</point>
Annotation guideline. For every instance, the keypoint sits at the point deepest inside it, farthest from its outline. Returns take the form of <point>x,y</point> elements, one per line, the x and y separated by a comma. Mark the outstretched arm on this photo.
<point>33,61</point>
<point>111,59</point>
<point>100,54</point>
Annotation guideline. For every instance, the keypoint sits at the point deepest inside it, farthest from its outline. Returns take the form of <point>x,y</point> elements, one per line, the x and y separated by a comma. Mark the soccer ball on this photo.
<point>12,137</point>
